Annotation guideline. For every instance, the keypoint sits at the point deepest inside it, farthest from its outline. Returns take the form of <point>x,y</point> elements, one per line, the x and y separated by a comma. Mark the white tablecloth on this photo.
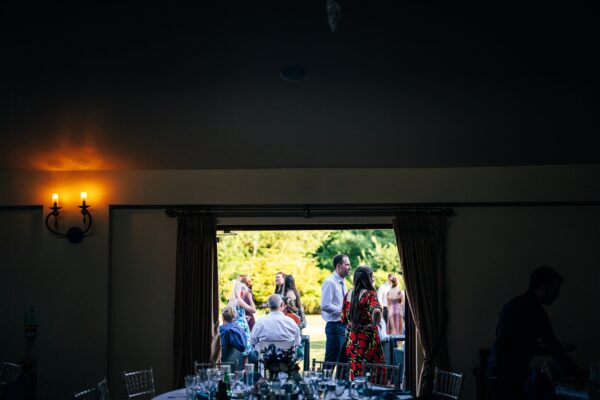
<point>178,394</point>
<point>570,393</point>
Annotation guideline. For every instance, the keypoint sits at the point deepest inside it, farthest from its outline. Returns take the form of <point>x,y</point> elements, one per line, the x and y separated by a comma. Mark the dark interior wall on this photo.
<point>68,285</point>
<point>142,293</point>
<point>490,252</point>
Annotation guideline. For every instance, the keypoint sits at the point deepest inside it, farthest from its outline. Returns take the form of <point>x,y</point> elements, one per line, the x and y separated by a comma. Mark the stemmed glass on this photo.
<point>282,376</point>
<point>190,381</point>
<point>201,384</point>
<point>249,369</point>
<point>340,388</point>
<point>213,376</point>
<point>321,382</point>
<point>237,384</point>
<point>359,387</point>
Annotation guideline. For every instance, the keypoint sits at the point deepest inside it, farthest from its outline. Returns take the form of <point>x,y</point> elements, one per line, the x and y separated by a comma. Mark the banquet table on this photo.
<point>565,392</point>
<point>179,394</point>
<point>174,394</point>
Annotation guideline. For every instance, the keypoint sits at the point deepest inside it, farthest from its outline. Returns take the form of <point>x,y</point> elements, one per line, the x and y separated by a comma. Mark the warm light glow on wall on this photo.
<point>71,190</point>
<point>75,234</point>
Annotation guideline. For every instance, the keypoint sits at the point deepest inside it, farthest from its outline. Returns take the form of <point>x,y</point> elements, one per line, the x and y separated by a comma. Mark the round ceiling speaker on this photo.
<point>293,73</point>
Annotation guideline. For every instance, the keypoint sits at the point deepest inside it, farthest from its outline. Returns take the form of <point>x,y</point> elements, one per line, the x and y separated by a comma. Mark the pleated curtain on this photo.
<point>196,319</point>
<point>421,245</point>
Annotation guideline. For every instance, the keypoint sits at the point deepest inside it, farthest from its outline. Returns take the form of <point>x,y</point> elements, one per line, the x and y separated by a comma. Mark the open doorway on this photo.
<point>259,255</point>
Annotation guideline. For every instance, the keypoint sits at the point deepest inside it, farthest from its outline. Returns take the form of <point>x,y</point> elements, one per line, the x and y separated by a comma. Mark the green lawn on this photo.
<point>316,330</point>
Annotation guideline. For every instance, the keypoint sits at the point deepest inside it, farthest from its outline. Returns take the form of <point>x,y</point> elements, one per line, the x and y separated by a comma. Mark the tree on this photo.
<point>373,247</point>
<point>305,254</point>
<point>261,254</point>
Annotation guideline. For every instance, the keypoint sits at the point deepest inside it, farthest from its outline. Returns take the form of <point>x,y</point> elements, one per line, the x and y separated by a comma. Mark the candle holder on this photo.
<point>74,234</point>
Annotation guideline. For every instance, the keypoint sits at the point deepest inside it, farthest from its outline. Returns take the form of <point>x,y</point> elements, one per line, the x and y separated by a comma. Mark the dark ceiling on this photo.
<point>167,85</point>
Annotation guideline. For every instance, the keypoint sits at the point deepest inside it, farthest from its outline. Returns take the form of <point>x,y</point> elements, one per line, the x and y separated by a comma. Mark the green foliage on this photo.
<point>375,248</point>
<point>307,255</point>
<point>261,254</point>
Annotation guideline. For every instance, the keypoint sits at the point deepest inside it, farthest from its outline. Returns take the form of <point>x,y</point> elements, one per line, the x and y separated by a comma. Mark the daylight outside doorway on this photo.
<point>307,256</point>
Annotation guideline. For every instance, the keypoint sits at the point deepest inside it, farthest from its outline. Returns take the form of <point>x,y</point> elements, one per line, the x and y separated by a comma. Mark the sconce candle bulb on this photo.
<point>74,234</point>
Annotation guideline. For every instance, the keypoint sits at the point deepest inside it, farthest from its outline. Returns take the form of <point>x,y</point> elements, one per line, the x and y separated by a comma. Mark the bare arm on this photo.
<point>246,306</point>
<point>374,303</point>
<point>251,303</point>
<point>376,315</point>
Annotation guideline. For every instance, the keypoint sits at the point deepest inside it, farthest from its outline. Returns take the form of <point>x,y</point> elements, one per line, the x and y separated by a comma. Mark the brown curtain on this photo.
<point>196,330</point>
<point>421,242</point>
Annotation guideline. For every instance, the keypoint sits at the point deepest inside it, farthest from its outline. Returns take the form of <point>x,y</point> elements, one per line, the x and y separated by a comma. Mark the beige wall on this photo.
<point>490,249</point>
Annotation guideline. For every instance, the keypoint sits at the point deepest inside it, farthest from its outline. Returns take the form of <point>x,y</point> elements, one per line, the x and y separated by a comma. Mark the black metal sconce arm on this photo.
<point>74,234</point>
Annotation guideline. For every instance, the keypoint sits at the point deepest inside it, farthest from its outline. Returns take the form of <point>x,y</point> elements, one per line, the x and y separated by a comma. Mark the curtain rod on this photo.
<point>307,211</point>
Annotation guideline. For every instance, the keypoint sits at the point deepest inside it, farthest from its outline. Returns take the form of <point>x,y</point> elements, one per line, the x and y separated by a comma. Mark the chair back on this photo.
<point>447,385</point>
<point>263,345</point>
<point>385,375</point>
<point>279,344</point>
<point>10,372</point>
<point>139,384</point>
<point>339,370</point>
<point>103,390</point>
<point>88,394</point>
<point>234,356</point>
<point>198,365</point>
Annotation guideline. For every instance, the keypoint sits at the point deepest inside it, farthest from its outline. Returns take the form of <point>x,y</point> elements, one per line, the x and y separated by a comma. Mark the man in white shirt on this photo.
<point>382,295</point>
<point>275,325</point>
<point>332,300</point>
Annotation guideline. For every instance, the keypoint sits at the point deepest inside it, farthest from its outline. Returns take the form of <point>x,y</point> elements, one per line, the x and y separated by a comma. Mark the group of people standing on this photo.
<point>354,318</point>
<point>356,323</point>
<point>237,337</point>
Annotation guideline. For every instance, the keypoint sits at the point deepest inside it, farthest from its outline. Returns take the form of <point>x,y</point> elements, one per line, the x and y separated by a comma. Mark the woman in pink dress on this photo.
<point>395,298</point>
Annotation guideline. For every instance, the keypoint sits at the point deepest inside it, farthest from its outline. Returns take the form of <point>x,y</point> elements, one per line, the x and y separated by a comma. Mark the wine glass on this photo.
<point>340,388</point>
<point>282,376</point>
<point>249,369</point>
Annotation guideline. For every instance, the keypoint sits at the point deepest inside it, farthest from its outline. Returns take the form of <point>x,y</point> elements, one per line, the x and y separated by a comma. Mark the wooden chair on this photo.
<point>263,345</point>
<point>447,385</point>
<point>233,356</point>
<point>339,370</point>
<point>198,366</point>
<point>385,375</point>
<point>103,390</point>
<point>88,394</point>
<point>100,392</point>
<point>139,384</point>
<point>10,372</point>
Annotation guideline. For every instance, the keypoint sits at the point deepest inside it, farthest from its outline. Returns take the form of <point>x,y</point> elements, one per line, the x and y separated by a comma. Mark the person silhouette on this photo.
<point>523,331</point>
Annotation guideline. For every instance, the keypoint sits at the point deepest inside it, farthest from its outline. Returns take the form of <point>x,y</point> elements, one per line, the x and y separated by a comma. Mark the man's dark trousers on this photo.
<point>335,346</point>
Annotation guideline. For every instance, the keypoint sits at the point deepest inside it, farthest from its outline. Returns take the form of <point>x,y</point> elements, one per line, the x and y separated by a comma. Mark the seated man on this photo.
<point>275,325</point>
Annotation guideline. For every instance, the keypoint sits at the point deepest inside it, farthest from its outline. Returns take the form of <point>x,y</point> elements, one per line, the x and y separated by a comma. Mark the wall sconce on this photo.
<point>74,234</point>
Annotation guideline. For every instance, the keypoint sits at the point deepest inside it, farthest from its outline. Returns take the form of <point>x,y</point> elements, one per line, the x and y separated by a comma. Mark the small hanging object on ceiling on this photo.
<point>333,14</point>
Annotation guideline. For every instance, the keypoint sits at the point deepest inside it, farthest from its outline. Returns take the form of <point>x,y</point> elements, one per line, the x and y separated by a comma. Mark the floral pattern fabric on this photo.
<point>362,339</point>
<point>241,321</point>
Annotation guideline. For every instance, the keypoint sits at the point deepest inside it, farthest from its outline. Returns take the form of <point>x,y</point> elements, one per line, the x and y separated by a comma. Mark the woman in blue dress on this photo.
<point>237,301</point>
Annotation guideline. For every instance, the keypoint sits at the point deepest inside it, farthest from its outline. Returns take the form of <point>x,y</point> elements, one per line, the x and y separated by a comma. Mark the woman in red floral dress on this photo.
<point>361,313</point>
